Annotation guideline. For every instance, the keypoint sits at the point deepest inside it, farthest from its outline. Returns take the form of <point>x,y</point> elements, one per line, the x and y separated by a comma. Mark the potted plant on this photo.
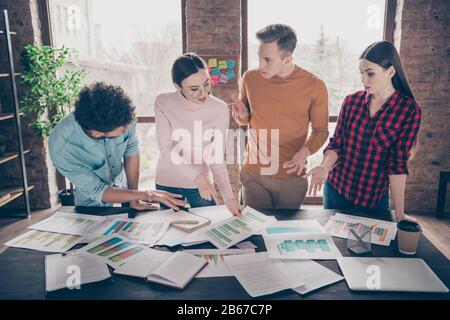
<point>54,84</point>
<point>2,145</point>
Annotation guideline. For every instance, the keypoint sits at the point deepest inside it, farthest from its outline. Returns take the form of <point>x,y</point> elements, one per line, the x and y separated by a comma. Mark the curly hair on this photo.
<point>104,108</point>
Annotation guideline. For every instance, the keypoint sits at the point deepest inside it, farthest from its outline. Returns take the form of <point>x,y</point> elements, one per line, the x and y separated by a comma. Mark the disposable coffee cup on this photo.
<point>408,236</point>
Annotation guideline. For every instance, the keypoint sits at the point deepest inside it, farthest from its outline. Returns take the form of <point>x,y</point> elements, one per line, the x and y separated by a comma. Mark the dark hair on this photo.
<point>284,35</point>
<point>384,54</point>
<point>103,108</point>
<point>185,66</point>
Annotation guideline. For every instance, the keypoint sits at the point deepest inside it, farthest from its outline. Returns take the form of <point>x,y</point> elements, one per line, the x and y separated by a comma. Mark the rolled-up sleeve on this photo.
<point>399,154</point>
<point>337,140</point>
<point>132,144</point>
<point>84,179</point>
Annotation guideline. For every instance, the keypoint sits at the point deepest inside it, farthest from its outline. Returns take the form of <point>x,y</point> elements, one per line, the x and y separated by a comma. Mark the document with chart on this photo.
<point>309,246</point>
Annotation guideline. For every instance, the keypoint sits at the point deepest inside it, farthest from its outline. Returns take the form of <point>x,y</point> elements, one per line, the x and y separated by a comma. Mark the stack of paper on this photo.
<point>73,270</point>
<point>382,231</point>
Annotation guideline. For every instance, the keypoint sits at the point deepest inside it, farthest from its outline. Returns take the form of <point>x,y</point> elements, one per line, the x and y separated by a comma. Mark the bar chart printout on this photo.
<point>45,241</point>
<point>69,223</point>
<point>315,246</point>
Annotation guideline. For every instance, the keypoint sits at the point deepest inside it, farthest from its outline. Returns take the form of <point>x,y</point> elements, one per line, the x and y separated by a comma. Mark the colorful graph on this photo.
<point>105,245</point>
<point>222,233</point>
<point>45,241</point>
<point>338,227</point>
<point>67,223</point>
<point>135,229</point>
<point>126,254</point>
<point>311,246</point>
<point>115,249</point>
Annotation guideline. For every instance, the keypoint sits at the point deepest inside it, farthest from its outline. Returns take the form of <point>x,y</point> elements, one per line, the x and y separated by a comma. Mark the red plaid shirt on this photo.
<point>371,149</point>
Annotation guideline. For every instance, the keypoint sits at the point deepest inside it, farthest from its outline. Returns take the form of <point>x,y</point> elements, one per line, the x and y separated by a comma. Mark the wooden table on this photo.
<point>22,273</point>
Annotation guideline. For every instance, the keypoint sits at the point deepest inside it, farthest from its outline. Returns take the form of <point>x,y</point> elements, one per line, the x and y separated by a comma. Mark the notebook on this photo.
<point>167,268</point>
<point>178,270</point>
<point>73,270</point>
<point>390,274</point>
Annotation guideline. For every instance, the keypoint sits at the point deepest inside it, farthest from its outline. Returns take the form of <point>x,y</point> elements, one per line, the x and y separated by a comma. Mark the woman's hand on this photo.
<point>319,176</point>
<point>205,188</point>
<point>234,206</point>
<point>401,216</point>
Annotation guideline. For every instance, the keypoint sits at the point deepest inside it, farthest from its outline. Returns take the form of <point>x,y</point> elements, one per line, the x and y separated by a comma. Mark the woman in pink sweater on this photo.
<point>191,127</point>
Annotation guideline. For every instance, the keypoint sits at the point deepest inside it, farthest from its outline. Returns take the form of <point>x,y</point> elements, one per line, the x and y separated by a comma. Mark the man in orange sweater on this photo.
<point>278,102</point>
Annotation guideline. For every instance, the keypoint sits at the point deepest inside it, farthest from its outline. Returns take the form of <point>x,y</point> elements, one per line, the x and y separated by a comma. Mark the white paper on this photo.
<point>312,274</point>
<point>146,232</point>
<point>69,223</point>
<point>382,233</point>
<point>114,249</point>
<point>58,270</point>
<point>258,275</point>
<point>310,246</point>
<point>216,265</point>
<point>294,227</point>
<point>45,241</point>
<point>143,263</point>
<point>226,233</point>
<point>213,213</point>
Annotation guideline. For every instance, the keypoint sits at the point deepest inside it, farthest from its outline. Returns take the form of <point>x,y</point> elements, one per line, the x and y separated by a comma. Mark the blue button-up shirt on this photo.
<point>92,165</point>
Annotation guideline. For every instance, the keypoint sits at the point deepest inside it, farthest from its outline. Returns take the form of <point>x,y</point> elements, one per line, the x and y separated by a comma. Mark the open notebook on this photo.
<point>171,269</point>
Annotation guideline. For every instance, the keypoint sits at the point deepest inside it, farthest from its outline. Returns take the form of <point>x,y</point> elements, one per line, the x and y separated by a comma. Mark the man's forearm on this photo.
<point>131,165</point>
<point>118,195</point>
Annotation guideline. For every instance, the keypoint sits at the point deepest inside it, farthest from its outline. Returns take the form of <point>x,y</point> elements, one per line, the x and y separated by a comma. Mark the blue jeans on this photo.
<point>333,200</point>
<point>191,195</point>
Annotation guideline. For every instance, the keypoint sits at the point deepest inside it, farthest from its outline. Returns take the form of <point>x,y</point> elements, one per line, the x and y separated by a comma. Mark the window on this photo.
<point>331,36</point>
<point>130,43</point>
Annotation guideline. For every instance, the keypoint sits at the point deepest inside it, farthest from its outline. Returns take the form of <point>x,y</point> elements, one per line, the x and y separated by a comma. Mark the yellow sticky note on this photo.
<point>223,64</point>
<point>212,63</point>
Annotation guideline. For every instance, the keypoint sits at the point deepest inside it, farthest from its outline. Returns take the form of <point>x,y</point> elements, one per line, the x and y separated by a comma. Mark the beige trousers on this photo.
<point>266,192</point>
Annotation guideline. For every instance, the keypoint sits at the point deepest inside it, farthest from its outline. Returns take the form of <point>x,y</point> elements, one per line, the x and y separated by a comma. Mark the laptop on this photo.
<point>389,274</point>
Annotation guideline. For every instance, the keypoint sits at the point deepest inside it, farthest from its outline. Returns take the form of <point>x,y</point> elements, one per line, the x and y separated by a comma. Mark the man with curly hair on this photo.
<point>96,148</point>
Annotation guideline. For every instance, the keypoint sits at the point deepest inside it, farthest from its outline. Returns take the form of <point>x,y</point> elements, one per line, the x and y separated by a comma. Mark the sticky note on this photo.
<point>223,64</point>
<point>231,63</point>
<point>223,78</point>
<point>212,63</point>
<point>215,79</point>
<point>215,71</point>
<point>231,74</point>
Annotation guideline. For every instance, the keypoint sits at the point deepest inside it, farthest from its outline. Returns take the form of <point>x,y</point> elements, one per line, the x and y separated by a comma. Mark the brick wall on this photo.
<point>214,27</point>
<point>423,36</point>
<point>24,19</point>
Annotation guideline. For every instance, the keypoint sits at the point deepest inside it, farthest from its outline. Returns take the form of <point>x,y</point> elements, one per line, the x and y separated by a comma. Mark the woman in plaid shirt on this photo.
<point>375,135</point>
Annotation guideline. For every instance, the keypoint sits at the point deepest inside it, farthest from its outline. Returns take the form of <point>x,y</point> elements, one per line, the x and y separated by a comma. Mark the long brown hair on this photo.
<point>384,54</point>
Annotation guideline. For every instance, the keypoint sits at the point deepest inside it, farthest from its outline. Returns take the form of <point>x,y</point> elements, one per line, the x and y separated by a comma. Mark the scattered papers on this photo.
<point>45,241</point>
<point>114,249</point>
<point>143,263</point>
<point>216,265</point>
<point>310,246</point>
<point>294,227</point>
<point>59,270</point>
<point>146,232</point>
<point>312,274</point>
<point>382,231</point>
<point>69,223</point>
<point>226,233</point>
<point>258,275</point>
